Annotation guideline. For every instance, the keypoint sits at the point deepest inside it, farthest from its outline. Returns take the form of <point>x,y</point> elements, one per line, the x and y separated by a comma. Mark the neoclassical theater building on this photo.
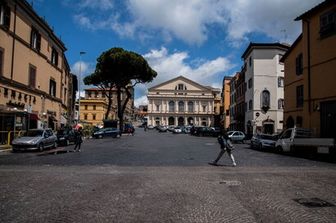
<point>181,101</point>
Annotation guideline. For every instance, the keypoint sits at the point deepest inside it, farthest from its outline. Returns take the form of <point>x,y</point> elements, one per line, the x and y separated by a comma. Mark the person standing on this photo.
<point>78,139</point>
<point>225,146</point>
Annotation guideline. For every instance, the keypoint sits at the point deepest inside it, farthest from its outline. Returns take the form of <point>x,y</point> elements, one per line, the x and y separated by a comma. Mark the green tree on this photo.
<point>122,70</point>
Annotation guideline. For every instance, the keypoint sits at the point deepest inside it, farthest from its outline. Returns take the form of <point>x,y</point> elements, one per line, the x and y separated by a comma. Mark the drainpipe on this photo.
<point>13,46</point>
<point>309,67</point>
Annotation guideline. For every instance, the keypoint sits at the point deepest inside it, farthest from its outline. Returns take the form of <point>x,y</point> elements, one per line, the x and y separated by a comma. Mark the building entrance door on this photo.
<point>180,121</point>
<point>328,119</point>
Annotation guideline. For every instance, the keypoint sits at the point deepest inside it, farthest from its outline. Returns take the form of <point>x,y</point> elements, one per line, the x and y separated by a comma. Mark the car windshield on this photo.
<point>34,133</point>
<point>62,132</point>
<point>267,137</point>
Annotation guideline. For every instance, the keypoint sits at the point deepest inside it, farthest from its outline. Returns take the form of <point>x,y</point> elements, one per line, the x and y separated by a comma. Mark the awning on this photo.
<point>33,116</point>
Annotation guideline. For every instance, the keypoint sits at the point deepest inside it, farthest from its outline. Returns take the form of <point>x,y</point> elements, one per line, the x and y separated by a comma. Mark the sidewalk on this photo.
<point>4,148</point>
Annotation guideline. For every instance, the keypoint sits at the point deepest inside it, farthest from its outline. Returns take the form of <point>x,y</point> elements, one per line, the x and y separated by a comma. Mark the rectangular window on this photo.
<point>180,87</point>
<point>94,107</point>
<point>4,15</point>
<point>299,64</point>
<point>52,88</point>
<point>94,117</point>
<point>85,107</point>
<point>157,107</point>
<point>32,76</point>
<point>250,105</point>
<point>281,82</point>
<point>281,104</point>
<point>65,95</point>
<point>35,39</point>
<point>1,61</point>
<point>85,116</point>
<point>250,83</point>
<point>299,96</point>
<point>328,24</point>
<point>54,56</point>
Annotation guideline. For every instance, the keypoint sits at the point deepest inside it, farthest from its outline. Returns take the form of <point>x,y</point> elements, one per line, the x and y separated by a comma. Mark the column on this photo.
<point>176,106</point>
<point>176,121</point>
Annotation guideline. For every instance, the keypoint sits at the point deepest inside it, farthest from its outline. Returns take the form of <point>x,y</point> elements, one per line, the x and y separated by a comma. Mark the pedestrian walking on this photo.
<point>225,146</point>
<point>78,139</point>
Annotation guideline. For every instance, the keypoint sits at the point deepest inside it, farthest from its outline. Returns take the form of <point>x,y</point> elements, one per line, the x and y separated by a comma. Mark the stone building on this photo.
<point>225,109</point>
<point>93,107</point>
<point>181,101</point>
<point>35,80</point>
<point>264,87</point>
<point>310,74</point>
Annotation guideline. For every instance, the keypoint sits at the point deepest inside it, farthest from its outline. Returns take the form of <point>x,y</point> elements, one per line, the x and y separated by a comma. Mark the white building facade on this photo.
<point>181,101</point>
<point>264,96</point>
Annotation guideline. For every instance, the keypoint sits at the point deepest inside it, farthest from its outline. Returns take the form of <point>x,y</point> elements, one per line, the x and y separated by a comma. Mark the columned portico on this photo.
<point>181,102</point>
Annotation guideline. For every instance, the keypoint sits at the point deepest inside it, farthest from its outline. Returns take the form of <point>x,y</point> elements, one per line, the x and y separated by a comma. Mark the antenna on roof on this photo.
<point>284,31</point>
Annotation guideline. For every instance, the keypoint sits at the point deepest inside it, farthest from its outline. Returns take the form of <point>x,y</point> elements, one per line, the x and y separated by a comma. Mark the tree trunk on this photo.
<point>120,113</point>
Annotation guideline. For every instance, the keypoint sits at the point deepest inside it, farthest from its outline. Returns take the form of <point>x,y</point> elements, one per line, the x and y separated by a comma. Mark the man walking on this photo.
<point>225,145</point>
<point>78,139</point>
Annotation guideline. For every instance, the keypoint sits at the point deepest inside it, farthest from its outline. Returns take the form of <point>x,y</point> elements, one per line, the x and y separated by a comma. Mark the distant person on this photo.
<point>145,128</point>
<point>78,139</point>
<point>225,145</point>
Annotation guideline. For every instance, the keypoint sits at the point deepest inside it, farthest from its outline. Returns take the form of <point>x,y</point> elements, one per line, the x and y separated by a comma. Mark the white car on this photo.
<point>236,136</point>
<point>177,130</point>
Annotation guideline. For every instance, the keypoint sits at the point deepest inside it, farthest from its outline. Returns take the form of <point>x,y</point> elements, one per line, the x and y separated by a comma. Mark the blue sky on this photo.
<point>202,40</point>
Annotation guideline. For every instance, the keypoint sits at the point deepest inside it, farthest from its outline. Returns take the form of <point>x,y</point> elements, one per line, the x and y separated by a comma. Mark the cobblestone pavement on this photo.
<point>152,177</point>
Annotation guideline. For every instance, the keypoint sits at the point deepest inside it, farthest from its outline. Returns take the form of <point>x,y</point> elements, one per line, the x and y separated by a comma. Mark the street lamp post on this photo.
<point>79,82</point>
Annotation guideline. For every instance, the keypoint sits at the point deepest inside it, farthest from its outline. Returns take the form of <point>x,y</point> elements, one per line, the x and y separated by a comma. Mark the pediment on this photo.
<point>177,82</point>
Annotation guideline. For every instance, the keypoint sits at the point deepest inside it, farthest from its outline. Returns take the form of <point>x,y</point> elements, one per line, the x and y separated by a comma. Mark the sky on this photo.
<point>202,40</point>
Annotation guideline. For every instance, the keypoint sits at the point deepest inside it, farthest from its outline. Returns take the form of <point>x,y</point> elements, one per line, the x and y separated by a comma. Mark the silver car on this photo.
<point>263,141</point>
<point>236,136</point>
<point>35,139</point>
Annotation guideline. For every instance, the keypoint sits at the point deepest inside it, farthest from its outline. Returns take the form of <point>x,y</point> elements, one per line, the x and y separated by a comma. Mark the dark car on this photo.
<point>128,128</point>
<point>205,131</point>
<point>107,132</point>
<point>65,136</point>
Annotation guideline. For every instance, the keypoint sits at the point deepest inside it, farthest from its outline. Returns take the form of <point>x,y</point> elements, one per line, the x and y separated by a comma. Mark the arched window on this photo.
<point>265,100</point>
<point>171,106</point>
<point>190,106</point>
<point>181,106</point>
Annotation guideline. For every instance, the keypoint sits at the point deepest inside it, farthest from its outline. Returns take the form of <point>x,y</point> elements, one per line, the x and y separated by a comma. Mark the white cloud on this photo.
<point>172,65</point>
<point>141,101</point>
<point>193,21</point>
<point>80,67</point>
<point>274,18</point>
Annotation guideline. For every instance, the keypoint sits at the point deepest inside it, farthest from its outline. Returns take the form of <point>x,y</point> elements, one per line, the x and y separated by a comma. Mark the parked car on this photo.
<point>303,140</point>
<point>236,136</point>
<point>150,127</point>
<point>111,132</point>
<point>65,137</point>
<point>162,128</point>
<point>204,131</point>
<point>177,130</point>
<point>263,141</point>
<point>35,139</point>
<point>128,128</point>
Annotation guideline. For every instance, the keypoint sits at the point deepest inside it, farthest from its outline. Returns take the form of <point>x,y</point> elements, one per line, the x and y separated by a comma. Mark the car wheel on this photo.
<point>40,147</point>
<point>279,149</point>
<point>260,147</point>
<point>100,136</point>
